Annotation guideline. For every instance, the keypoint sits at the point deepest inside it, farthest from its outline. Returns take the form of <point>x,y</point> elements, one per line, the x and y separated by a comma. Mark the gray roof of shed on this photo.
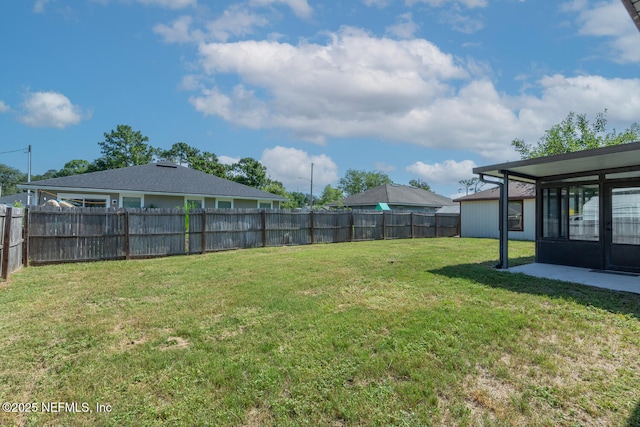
<point>394,194</point>
<point>10,199</point>
<point>162,178</point>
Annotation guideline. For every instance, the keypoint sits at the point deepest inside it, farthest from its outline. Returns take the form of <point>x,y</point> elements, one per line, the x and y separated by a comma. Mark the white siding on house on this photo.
<point>479,218</point>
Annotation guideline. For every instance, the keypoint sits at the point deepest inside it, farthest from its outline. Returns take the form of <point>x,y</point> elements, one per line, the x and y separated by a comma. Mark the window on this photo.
<point>625,225</point>
<point>131,202</point>
<point>224,204</point>
<point>85,200</point>
<point>571,212</point>
<point>516,215</point>
<point>584,213</point>
<point>553,212</point>
<point>264,205</point>
<point>195,203</point>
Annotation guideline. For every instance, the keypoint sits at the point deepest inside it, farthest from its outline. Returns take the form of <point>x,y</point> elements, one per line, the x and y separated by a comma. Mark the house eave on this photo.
<point>35,187</point>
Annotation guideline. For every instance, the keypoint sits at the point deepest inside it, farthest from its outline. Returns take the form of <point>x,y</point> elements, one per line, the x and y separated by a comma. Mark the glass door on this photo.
<point>622,227</point>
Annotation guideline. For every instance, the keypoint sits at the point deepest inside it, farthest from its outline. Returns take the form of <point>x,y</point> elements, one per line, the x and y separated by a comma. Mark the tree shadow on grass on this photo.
<point>634,419</point>
<point>484,273</point>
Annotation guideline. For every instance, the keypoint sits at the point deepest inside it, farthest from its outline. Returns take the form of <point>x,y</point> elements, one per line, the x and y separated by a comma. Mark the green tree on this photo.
<point>9,178</point>
<point>123,147</point>
<point>296,200</point>
<point>330,195</point>
<point>576,133</point>
<point>471,185</point>
<point>180,153</point>
<point>248,171</point>
<point>357,181</point>
<point>208,162</point>
<point>418,183</point>
<point>74,167</point>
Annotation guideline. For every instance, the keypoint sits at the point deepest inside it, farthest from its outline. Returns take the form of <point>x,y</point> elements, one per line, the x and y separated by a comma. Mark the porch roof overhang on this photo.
<point>633,7</point>
<point>616,157</point>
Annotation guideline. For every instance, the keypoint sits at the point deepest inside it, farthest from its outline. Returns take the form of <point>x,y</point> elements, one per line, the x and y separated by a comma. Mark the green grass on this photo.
<point>406,333</point>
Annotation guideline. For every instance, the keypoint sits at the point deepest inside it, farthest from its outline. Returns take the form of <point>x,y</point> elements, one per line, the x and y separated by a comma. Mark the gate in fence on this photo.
<point>11,241</point>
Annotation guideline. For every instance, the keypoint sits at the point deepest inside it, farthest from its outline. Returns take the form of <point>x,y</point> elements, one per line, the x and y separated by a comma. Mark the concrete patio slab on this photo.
<point>627,282</point>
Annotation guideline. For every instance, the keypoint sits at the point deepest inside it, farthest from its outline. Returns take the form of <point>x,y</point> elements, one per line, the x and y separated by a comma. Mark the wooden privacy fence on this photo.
<point>11,241</point>
<point>57,235</point>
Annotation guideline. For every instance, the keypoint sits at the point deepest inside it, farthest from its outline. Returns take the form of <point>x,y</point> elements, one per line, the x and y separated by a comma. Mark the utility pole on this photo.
<point>311,203</point>
<point>29,176</point>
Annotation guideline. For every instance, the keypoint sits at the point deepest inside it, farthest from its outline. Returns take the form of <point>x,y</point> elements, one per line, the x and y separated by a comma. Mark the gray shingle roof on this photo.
<point>162,177</point>
<point>517,190</point>
<point>19,197</point>
<point>397,195</point>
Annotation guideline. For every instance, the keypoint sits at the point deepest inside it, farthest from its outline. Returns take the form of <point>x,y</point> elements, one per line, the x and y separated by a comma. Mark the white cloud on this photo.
<point>179,31</point>
<point>612,21</point>
<point>384,167</point>
<point>407,91</point>
<point>226,160</point>
<point>4,107</point>
<point>292,167</point>
<point>235,21</point>
<point>39,5</point>
<point>50,109</point>
<point>299,7</point>
<point>471,4</point>
<point>405,28</point>
<point>170,4</point>
<point>447,172</point>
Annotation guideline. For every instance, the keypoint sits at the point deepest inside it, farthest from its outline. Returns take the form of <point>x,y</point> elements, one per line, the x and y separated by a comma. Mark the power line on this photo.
<point>24,150</point>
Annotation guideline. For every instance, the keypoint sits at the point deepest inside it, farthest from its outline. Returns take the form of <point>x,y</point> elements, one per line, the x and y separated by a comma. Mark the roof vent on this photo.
<point>167,165</point>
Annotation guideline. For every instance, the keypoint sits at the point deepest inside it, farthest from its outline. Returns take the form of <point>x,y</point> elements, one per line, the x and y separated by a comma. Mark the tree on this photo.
<point>208,162</point>
<point>180,153</point>
<point>9,178</point>
<point>471,184</point>
<point>74,167</point>
<point>248,171</point>
<point>418,183</point>
<point>357,181</point>
<point>576,133</point>
<point>330,195</point>
<point>296,200</point>
<point>124,147</point>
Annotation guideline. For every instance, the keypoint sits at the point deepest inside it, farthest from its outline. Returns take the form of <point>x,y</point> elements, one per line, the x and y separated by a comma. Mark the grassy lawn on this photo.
<point>406,333</point>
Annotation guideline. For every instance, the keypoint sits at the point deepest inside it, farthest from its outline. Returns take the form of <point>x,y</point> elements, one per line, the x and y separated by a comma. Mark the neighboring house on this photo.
<point>13,198</point>
<point>396,197</point>
<point>155,185</point>
<point>479,212</point>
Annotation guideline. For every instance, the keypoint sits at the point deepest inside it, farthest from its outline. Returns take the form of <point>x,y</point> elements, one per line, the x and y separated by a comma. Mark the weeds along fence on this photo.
<point>56,235</point>
<point>11,241</point>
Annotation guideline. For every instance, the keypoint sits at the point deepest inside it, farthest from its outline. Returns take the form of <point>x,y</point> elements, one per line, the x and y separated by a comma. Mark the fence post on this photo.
<point>437,225</point>
<point>127,236</point>
<point>203,238</point>
<point>264,228</point>
<point>25,237</point>
<point>384,225</point>
<point>311,227</point>
<point>6,243</point>
<point>412,224</point>
<point>351,226</point>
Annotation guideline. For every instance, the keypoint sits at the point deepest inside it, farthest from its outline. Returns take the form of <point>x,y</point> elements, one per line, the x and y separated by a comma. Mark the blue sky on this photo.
<point>419,89</point>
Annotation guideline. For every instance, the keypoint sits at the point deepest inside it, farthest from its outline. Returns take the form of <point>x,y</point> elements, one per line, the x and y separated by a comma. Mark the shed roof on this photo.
<point>12,198</point>
<point>517,191</point>
<point>597,159</point>
<point>161,178</point>
<point>394,194</point>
